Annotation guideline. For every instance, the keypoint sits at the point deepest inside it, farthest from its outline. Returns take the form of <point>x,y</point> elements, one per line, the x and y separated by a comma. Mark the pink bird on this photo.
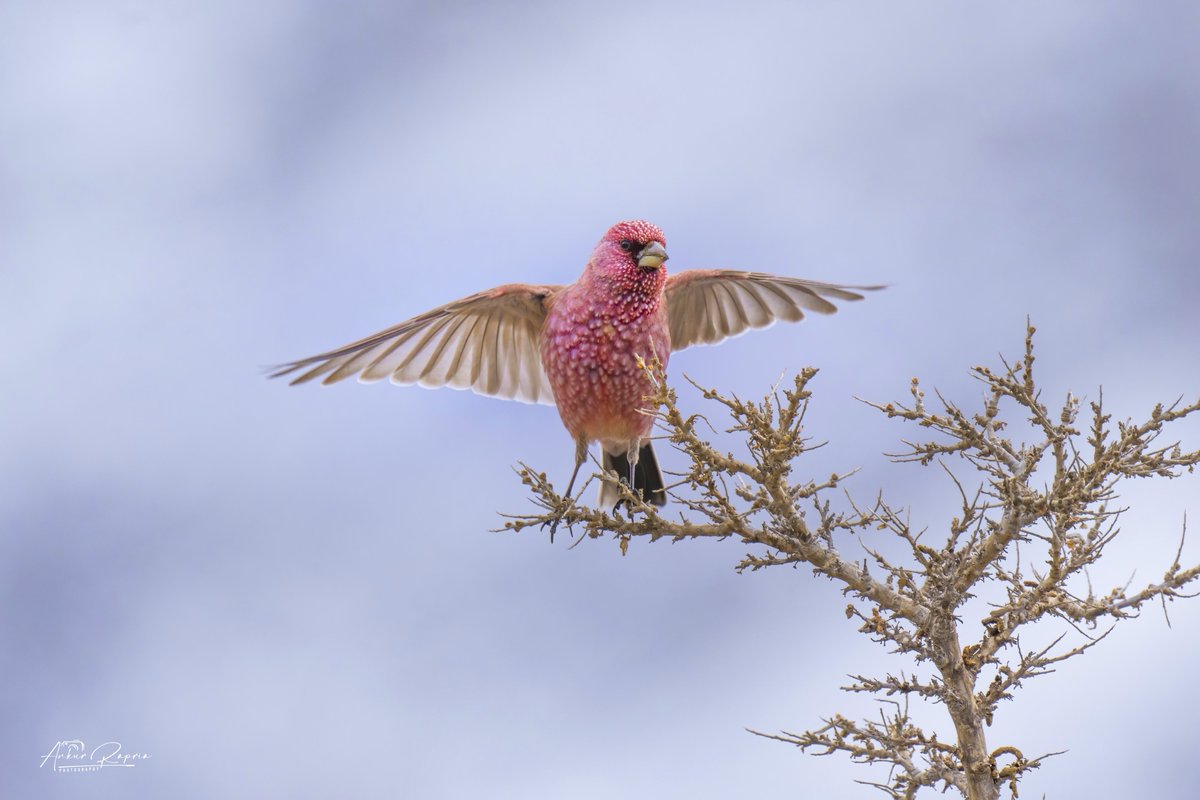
<point>576,346</point>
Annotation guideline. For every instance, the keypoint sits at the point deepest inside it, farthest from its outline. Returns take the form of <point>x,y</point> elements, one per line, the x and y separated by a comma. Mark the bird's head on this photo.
<point>632,252</point>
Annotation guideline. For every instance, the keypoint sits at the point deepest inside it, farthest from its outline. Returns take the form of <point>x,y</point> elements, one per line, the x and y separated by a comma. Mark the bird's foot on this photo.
<point>553,525</point>
<point>560,514</point>
<point>624,501</point>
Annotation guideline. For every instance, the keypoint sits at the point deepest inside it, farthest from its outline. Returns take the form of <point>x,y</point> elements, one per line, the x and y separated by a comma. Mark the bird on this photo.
<point>577,346</point>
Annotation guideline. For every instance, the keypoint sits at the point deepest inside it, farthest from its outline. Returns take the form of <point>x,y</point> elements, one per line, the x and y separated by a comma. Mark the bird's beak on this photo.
<point>652,256</point>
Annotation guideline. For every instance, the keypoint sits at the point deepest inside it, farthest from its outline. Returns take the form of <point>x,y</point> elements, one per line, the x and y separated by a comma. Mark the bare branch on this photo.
<point>1037,511</point>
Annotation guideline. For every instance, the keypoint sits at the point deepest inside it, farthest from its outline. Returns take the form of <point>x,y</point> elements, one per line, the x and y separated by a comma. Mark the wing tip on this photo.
<point>281,370</point>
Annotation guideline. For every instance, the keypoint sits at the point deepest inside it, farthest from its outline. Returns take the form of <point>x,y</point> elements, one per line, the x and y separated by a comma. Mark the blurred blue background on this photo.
<point>284,592</point>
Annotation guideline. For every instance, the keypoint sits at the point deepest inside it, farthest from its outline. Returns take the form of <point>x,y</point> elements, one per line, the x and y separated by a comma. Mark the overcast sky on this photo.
<point>296,592</point>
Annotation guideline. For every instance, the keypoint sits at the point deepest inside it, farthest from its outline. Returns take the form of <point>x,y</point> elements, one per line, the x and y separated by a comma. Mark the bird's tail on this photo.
<point>646,477</point>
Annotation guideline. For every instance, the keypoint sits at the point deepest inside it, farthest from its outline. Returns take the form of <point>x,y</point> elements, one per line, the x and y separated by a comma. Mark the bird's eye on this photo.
<point>627,245</point>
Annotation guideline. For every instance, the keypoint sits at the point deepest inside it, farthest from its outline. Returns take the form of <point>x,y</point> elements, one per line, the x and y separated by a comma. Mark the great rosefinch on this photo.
<point>576,346</point>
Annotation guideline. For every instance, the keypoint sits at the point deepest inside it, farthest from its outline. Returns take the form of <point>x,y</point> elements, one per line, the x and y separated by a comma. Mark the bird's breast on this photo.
<point>590,353</point>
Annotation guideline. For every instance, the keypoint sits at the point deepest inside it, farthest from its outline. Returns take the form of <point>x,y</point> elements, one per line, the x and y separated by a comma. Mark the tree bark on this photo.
<point>968,721</point>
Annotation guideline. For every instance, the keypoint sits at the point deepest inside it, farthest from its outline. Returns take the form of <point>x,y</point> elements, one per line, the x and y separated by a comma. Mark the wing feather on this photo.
<point>391,357</point>
<point>785,309</point>
<point>512,367</point>
<point>488,342</point>
<point>490,363</point>
<point>482,353</point>
<point>468,355</point>
<point>758,313</point>
<point>426,350</point>
<point>706,306</point>
<point>731,307</point>
<point>445,353</point>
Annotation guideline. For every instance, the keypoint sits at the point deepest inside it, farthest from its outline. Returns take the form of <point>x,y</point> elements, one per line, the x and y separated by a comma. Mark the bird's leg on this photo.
<point>581,452</point>
<point>635,450</point>
<point>631,458</point>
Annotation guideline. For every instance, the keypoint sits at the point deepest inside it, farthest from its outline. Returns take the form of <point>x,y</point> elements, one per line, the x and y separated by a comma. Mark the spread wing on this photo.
<point>487,343</point>
<point>705,306</point>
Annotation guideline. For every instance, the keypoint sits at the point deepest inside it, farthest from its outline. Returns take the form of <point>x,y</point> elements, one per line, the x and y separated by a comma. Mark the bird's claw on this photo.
<point>559,515</point>
<point>553,524</point>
